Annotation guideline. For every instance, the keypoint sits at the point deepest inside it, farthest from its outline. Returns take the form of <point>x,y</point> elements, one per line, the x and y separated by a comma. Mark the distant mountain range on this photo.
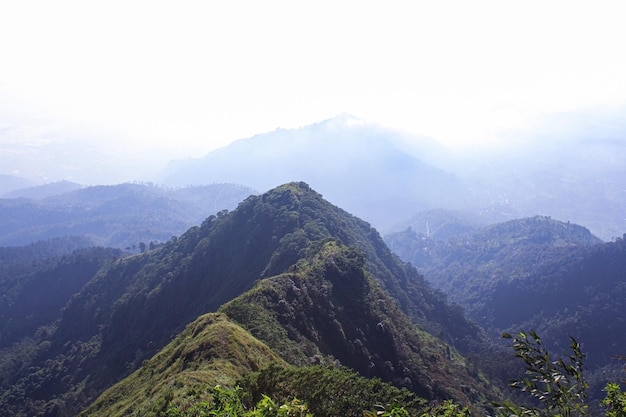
<point>386,177</point>
<point>360,167</point>
<point>38,192</point>
<point>9,183</point>
<point>122,216</point>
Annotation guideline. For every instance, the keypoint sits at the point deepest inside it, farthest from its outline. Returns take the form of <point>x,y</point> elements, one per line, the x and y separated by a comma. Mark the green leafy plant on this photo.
<point>558,385</point>
<point>615,401</point>
<point>268,408</point>
<point>226,402</point>
<point>444,409</point>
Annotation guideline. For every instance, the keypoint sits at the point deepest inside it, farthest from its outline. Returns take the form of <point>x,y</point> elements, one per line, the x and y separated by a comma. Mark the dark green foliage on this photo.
<point>443,409</point>
<point>226,403</point>
<point>332,401</point>
<point>33,293</point>
<point>328,391</point>
<point>615,401</point>
<point>213,349</point>
<point>476,269</point>
<point>558,386</point>
<point>38,251</point>
<point>471,269</point>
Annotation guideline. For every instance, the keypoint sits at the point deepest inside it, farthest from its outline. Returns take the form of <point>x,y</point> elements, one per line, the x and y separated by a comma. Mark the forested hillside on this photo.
<point>133,307</point>
<point>36,281</point>
<point>535,273</point>
<point>470,265</point>
<point>440,224</point>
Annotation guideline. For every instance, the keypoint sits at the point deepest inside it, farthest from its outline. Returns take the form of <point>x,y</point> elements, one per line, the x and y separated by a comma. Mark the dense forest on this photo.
<point>37,281</point>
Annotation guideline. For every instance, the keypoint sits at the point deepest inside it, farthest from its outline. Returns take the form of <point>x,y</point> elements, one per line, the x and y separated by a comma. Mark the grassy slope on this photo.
<point>212,350</point>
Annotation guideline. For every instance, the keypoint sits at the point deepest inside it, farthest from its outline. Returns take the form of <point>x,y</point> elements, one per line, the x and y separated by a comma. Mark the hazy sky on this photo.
<point>189,76</point>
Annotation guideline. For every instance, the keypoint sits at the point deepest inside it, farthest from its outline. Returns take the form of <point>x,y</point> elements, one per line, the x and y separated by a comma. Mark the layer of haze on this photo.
<point>143,82</point>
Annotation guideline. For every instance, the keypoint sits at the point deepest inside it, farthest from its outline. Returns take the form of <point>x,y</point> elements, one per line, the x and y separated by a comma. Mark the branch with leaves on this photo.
<point>559,385</point>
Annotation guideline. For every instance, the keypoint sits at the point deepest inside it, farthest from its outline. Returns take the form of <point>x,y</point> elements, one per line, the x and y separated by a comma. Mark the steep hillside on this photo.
<point>134,307</point>
<point>121,216</point>
<point>580,293</point>
<point>214,350</point>
<point>329,309</point>
<point>36,281</point>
